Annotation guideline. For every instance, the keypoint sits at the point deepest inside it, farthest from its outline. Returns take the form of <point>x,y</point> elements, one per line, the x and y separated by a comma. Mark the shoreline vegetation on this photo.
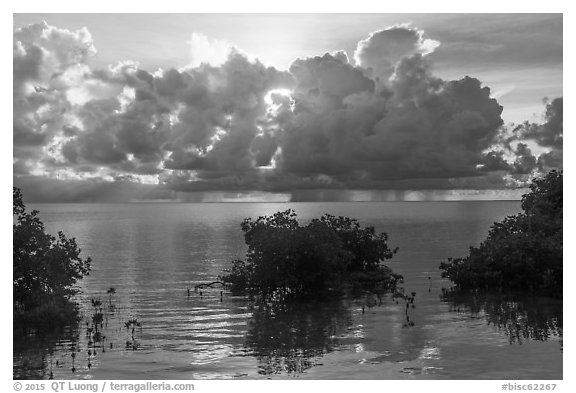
<point>45,272</point>
<point>522,253</point>
<point>288,261</point>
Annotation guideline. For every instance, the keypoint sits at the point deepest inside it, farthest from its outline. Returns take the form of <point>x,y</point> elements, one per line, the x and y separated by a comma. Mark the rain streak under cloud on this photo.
<point>376,120</point>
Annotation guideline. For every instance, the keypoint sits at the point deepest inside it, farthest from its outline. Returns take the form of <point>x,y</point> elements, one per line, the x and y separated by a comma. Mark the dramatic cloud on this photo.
<point>228,122</point>
<point>525,161</point>
<point>419,127</point>
<point>549,134</point>
<point>46,57</point>
<point>382,50</point>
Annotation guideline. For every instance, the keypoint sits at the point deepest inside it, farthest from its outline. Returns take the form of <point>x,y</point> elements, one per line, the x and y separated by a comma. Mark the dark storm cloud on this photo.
<point>551,160</point>
<point>495,161</point>
<point>421,127</point>
<point>549,134</point>
<point>384,121</point>
<point>525,161</point>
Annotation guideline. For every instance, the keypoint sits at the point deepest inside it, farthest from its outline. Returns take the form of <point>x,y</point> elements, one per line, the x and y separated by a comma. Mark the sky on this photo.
<point>197,107</point>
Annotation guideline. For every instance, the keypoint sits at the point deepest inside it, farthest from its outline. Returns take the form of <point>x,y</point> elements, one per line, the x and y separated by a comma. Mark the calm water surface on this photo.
<point>152,253</point>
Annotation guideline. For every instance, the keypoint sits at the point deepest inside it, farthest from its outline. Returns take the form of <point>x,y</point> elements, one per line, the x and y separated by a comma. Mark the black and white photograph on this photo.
<point>287,196</point>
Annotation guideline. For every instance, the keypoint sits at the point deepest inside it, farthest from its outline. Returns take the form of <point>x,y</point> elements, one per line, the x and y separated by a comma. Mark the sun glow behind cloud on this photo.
<point>204,50</point>
<point>269,97</point>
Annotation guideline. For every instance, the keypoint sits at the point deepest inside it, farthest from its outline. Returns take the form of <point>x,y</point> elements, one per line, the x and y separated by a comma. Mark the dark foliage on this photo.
<point>284,256</point>
<point>45,271</point>
<point>521,253</point>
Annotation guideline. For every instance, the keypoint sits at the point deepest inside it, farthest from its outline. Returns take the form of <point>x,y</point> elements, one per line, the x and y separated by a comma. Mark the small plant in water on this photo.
<point>132,323</point>
<point>96,303</point>
<point>51,373</point>
<point>97,318</point>
<point>409,302</point>
<point>73,357</point>
<point>111,291</point>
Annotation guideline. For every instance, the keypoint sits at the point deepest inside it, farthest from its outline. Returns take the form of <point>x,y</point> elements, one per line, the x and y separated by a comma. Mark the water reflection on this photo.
<point>35,355</point>
<point>520,317</point>
<point>291,338</point>
<point>73,351</point>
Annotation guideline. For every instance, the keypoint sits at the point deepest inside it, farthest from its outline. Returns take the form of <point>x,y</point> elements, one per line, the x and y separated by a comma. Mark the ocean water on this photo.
<point>153,253</point>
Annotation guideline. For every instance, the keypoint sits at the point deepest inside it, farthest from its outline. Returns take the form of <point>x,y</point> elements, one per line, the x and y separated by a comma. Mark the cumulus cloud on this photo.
<point>228,122</point>
<point>550,133</point>
<point>525,161</point>
<point>439,130</point>
<point>383,49</point>
<point>48,63</point>
<point>45,55</point>
<point>322,82</point>
<point>204,50</point>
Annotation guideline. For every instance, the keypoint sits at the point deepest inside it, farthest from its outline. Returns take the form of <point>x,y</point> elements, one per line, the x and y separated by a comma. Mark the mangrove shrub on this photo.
<point>45,271</point>
<point>521,253</point>
<point>302,260</point>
